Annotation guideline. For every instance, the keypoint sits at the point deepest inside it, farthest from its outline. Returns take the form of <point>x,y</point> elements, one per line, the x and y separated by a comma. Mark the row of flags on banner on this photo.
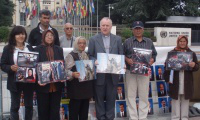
<point>81,8</point>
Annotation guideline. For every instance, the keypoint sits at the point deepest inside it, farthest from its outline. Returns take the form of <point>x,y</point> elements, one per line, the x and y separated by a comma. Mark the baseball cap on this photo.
<point>137,24</point>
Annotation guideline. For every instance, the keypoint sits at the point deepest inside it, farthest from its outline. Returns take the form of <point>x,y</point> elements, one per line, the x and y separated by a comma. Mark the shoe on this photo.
<point>191,114</point>
<point>194,111</point>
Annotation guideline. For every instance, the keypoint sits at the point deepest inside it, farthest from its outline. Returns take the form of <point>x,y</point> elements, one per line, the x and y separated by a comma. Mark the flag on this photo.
<point>92,6</point>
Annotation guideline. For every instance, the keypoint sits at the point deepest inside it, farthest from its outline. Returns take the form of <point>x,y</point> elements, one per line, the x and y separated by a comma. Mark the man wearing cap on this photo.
<point>67,40</point>
<point>137,82</point>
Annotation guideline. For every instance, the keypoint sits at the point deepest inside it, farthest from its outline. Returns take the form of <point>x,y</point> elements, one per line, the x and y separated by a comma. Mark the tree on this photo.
<point>154,10</point>
<point>6,12</point>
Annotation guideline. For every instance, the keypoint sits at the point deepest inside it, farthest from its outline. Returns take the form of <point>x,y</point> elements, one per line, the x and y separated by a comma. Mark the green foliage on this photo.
<point>4,33</point>
<point>126,33</point>
<point>154,10</point>
<point>6,12</point>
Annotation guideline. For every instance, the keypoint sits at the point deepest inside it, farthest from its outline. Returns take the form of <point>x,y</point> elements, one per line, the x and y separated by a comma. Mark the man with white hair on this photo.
<point>106,83</point>
<point>67,40</point>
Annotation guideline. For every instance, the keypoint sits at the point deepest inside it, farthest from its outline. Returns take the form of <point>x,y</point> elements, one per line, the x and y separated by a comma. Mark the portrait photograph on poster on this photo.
<point>121,111</point>
<point>163,105</point>
<point>110,63</point>
<point>179,60</point>
<point>161,88</point>
<point>151,74</point>
<point>141,59</point>
<point>27,59</point>
<point>150,90</point>
<point>64,112</point>
<point>170,104</point>
<point>120,92</point>
<point>159,72</point>
<point>86,69</point>
<point>150,107</point>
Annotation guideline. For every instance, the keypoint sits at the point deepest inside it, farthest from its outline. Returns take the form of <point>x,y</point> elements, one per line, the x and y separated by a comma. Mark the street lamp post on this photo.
<point>109,9</point>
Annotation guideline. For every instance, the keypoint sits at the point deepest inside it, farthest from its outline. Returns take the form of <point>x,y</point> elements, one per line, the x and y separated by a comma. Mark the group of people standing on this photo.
<point>104,88</point>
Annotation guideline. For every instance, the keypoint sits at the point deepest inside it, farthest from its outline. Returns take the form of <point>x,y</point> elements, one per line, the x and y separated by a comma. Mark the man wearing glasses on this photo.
<point>35,37</point>
<point>67,40</point>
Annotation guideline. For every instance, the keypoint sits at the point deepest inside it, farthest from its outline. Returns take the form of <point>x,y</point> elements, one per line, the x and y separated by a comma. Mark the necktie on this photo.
<point>164,110</point>
<point>122,114</point>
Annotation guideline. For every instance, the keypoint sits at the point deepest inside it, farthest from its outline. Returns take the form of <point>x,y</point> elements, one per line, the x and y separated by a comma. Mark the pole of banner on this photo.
<point>91,26</point>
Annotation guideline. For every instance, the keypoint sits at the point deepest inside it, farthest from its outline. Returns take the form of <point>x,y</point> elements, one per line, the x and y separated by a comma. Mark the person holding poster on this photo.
<point>49,95</point>
<point>181,90</point>
<point>136,82</point>
<point>16,43</point>
<point>106,83</point>
<point>79,93</point>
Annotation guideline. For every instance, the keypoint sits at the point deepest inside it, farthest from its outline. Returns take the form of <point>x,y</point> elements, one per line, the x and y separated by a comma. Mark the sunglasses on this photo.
<point>69,28</point>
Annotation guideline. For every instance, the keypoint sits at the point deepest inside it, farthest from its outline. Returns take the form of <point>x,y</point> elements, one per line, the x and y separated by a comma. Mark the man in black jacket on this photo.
<point>35,37</point>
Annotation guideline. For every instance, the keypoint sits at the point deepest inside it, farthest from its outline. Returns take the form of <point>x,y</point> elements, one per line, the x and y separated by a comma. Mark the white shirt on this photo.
<point>181,82</point>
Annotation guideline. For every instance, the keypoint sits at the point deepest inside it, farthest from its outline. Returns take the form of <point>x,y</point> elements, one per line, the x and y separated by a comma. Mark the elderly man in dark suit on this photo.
<point>106,84</point>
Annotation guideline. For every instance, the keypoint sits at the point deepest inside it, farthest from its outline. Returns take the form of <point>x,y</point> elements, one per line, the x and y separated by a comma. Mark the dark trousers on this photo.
<point>49,105</point>
<point>107,92</point>
<point>78,109</point>
<point>15,104</point>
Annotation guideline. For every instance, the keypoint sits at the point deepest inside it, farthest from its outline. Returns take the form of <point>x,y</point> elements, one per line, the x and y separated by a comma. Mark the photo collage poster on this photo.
<point>179,60</point>
<point>27,63</point>
<point>141,59</point>
<point>86,68</point>
<point>53,71</point>
<point>164,101</point>
<point>110,63</point>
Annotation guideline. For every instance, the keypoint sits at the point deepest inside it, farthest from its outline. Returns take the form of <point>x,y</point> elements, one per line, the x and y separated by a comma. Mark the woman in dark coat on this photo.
<point>9,65</point>
<point>49,95</point>
<point>181,90</point>
<point>78,92</point>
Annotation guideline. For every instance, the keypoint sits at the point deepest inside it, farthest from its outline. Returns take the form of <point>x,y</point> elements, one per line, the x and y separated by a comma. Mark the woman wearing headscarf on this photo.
<point>79,93</point>
<point>49,95</point>
<point>181,90</point>
<point>16,43</point>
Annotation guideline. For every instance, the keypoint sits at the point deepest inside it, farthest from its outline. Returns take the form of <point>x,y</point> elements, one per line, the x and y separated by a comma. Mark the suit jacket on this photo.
<point>157,77</point>
<point>58,55</point>
<point>96,45</point>
<point>164,94</point>
<point>6,63</point>
<point>117,96</point>
<point>162,111</point>
<point>119,115</point>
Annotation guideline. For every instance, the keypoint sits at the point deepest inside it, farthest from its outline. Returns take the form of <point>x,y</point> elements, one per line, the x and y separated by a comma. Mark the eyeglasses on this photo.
<point>69,28</point>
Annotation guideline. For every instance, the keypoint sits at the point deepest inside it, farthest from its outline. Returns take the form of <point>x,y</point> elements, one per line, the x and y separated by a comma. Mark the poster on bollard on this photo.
<point>110,63</point>
<point>53,71</point>
<point>27,62</point>
<point>179,60</point>
<point>141,58</point>
<point>86,69</point>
